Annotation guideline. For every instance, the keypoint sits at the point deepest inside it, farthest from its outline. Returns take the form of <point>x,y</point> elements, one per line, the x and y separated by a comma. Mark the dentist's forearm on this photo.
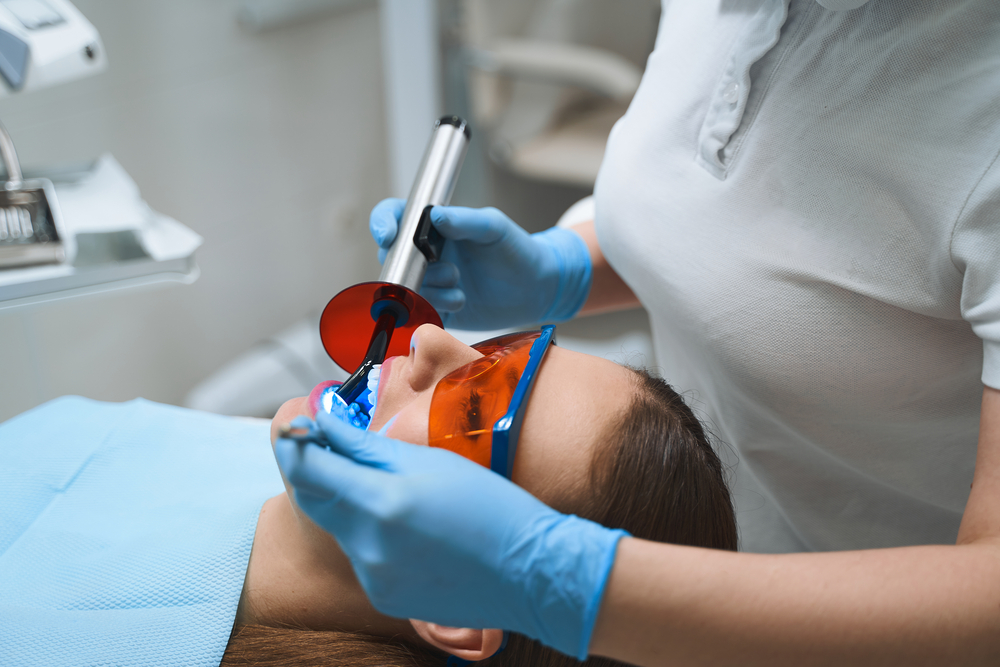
<point>608,292</point>
<point>928,605</point>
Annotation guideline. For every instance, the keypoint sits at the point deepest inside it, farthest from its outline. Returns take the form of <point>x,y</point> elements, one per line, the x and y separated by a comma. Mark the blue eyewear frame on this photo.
<point>507,429</point>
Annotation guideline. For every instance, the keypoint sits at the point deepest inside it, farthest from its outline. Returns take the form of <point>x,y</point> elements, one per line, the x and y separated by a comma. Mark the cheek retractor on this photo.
<point>373,377</point>
<point>356,413</point>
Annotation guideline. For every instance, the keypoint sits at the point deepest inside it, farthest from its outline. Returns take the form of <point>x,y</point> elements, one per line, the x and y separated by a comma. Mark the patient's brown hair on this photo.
<point>657,477</point>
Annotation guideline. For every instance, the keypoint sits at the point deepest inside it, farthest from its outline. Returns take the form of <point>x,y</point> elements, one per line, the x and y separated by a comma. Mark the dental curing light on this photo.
<point>367,322</point>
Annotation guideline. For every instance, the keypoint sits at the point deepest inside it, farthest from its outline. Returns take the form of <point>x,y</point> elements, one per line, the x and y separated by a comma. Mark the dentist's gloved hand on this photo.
<point>493,274</point>
<point>434,536</point>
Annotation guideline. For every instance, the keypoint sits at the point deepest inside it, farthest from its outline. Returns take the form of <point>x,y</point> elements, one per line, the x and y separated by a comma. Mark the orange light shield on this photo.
<point>348,321</point>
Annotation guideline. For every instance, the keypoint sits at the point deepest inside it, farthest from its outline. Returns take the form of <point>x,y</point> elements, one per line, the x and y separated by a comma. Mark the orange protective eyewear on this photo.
<point>477,410</point>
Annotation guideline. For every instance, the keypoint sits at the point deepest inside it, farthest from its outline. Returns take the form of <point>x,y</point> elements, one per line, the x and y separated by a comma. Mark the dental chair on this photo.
<point>547,79</point>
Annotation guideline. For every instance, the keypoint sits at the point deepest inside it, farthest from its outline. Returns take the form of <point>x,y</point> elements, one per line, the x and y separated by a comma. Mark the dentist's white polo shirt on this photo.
<point>807,202</point>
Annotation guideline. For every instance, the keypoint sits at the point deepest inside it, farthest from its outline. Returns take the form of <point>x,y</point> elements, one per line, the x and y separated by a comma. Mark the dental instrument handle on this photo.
<point>289,433</point>
<point>409,255</point>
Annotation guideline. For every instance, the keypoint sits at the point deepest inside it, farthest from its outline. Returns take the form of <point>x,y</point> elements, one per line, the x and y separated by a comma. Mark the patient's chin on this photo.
<point>291,409</point>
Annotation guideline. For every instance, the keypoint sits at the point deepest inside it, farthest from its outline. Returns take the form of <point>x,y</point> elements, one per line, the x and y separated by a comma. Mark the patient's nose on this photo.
<point>435,353</point>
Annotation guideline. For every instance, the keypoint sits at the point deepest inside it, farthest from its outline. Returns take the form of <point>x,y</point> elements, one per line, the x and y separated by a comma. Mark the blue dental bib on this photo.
<point>125,531</point>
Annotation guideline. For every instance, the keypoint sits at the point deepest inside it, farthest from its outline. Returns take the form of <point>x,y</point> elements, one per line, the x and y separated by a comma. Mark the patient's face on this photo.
<point>575,398</point>
<point>297,574</point>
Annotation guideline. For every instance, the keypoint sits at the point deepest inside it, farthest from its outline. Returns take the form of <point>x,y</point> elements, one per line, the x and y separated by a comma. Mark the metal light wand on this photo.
<point>392,305</point>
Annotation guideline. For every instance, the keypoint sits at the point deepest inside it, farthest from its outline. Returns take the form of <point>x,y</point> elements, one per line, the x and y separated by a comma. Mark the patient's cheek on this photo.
<point>409,425</point>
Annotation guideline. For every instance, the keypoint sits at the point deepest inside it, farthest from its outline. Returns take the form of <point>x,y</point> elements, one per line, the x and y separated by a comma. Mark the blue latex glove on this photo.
<point>434,536</point>
<point>493,274</point>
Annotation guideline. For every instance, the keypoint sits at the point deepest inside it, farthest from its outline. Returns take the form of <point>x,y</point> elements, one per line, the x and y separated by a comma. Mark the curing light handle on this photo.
<point>358,381</point>
<point>417,242</point>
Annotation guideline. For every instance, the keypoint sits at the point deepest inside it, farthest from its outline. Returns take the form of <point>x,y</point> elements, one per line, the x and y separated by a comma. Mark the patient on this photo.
<point>599,440</point>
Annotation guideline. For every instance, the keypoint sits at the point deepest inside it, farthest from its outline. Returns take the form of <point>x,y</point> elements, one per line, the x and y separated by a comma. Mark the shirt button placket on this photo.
<point>725,111</point>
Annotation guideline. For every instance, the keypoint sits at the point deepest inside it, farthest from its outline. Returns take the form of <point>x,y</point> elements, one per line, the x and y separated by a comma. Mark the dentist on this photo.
<point>805,197</point>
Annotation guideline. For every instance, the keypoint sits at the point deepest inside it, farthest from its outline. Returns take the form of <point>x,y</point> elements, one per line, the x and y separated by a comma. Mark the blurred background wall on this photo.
<point>269,144</point>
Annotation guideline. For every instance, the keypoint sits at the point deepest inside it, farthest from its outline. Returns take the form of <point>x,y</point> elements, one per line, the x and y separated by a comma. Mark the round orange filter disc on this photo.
<point>346,324</point>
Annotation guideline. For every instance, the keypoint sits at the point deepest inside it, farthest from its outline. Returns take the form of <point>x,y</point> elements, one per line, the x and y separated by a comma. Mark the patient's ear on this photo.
<point>466,643</point>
